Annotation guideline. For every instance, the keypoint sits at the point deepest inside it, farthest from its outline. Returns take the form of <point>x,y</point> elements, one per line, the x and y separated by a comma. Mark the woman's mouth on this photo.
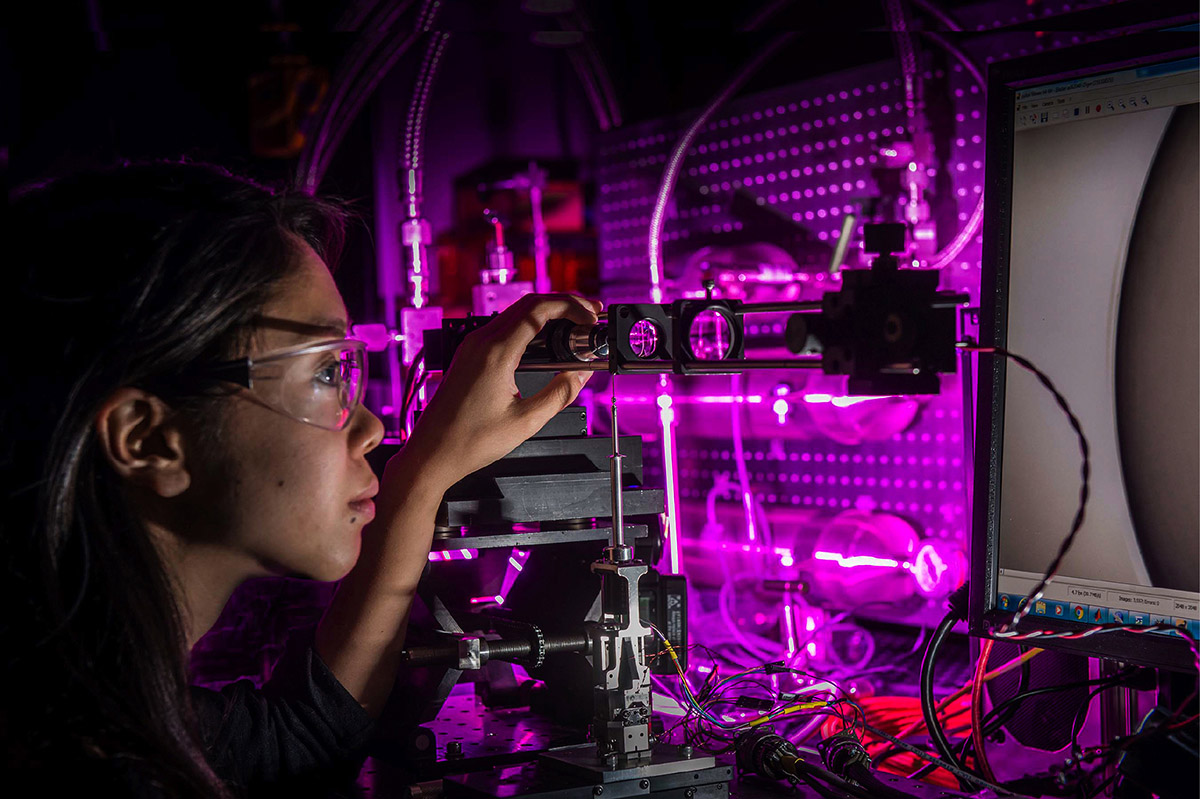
<point>365,508</point>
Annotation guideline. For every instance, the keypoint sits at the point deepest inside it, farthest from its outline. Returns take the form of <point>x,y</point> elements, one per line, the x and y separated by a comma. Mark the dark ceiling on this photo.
<point>156,79</point>
<point>105,79</point>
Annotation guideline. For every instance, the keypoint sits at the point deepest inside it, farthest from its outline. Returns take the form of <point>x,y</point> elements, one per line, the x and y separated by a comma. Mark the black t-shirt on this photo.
<point>302,734</point>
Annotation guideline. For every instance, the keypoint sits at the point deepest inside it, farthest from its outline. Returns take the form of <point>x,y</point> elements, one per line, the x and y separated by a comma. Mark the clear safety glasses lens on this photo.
<point>321,384</point>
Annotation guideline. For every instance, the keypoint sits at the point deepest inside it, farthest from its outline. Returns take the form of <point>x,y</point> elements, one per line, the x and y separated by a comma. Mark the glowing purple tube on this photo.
<point>675,162</point>
<point>666,416</point>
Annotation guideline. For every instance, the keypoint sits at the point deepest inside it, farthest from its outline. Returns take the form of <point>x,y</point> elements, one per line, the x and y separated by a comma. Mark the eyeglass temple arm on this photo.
<point>233,371</point>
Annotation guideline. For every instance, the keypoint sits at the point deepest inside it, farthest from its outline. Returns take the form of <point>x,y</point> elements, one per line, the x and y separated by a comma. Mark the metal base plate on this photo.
<point>576,773</point>
<point>581,761</point>
<point>491,736</point>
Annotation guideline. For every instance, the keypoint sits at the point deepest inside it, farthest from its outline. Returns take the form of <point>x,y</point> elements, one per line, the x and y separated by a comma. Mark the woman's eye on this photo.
<point>330,374</point>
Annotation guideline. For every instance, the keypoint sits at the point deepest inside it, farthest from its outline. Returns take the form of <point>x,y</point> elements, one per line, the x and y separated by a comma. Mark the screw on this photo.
<point>599,789</point>
<point>689,793</point>
<point>644,784</point>
<point>685,751</point>
<point>454,749</point>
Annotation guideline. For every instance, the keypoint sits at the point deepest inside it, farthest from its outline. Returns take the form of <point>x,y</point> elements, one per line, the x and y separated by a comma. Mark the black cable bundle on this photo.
<point>958,611</point>
<point>845,756</point>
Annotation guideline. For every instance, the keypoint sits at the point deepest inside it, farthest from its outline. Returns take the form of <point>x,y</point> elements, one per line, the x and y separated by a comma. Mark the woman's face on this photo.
<point>286,494</point>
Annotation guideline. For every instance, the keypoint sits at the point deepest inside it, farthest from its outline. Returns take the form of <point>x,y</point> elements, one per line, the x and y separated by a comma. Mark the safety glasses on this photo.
<point>320,384</point>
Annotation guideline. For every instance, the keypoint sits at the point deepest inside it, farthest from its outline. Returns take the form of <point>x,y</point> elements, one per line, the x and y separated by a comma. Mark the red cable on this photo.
<point>981,761</point>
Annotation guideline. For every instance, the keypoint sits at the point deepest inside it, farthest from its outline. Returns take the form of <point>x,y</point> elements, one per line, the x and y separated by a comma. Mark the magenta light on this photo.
<point>666,416</point>
<point>717,399</point>
<point>780,408</point>
<point>748,505</point>
<point>454,554</point>
<point>837,402</point>
<point>857,560</point>
<point>790,629</point>
<point>928,569</point>
<point>785,555</point>
<point>516,564</point>
<point>481,600</point>
<point>709,399</point>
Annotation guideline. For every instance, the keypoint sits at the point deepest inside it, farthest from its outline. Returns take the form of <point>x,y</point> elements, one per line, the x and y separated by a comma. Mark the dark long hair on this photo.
<point>125,276</point>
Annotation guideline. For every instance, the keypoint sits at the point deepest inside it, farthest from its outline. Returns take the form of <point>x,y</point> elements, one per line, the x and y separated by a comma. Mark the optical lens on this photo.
<point>643,338</point>
<point>710,335</point>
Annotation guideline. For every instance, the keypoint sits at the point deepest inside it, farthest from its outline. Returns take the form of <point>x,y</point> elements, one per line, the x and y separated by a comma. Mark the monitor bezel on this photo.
<point>1004,80</point>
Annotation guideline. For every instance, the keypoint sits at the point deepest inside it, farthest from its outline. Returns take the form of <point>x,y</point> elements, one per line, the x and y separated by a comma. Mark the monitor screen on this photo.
<point>1096,272</point>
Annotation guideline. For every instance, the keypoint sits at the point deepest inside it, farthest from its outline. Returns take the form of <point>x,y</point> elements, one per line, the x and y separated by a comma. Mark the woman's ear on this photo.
<point>143,442</point>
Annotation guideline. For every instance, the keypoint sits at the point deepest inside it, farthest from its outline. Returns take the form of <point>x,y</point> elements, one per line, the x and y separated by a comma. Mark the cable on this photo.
<point>411,383</point>
<point>936,734</point>
<point>817,786</point>
<point>1112,627</point>
<point>1023,681</point>
<point>387,50</point>
<point>591,71</point>
<point>992,721</point>
<point>675,162</point>
<point>374,35</point>
<point>1026,605</point>
<point>895,713</point>
<point>955,770</point>
<point>981,762</point>
<point>739,457</point>
<point>941,16</point>
<point>414,125</point>
<point>946,702</point>
<point>964,236</point>
<point>764,14</point>
<point>874,786</point>
<point>1082,713</point>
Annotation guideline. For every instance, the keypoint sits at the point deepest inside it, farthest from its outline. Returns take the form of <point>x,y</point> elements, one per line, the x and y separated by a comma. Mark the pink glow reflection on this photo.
<point>454,554</point>
<point>666,417</point>
<point>857,560</point>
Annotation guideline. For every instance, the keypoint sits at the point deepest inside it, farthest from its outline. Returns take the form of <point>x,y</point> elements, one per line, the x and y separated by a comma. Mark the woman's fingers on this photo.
<point>477,415</point>
<point>561,391</point>
<point>524,319</point>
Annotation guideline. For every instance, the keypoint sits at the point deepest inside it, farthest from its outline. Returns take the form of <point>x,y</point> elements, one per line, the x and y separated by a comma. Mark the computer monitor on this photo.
<point>1091,248</point>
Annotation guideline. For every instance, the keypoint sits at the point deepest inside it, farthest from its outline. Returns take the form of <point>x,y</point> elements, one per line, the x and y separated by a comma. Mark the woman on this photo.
<point>182,414</point>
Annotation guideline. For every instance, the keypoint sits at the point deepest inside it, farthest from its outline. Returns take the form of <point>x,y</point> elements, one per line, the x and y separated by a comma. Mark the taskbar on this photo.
<point>1093,602</point>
